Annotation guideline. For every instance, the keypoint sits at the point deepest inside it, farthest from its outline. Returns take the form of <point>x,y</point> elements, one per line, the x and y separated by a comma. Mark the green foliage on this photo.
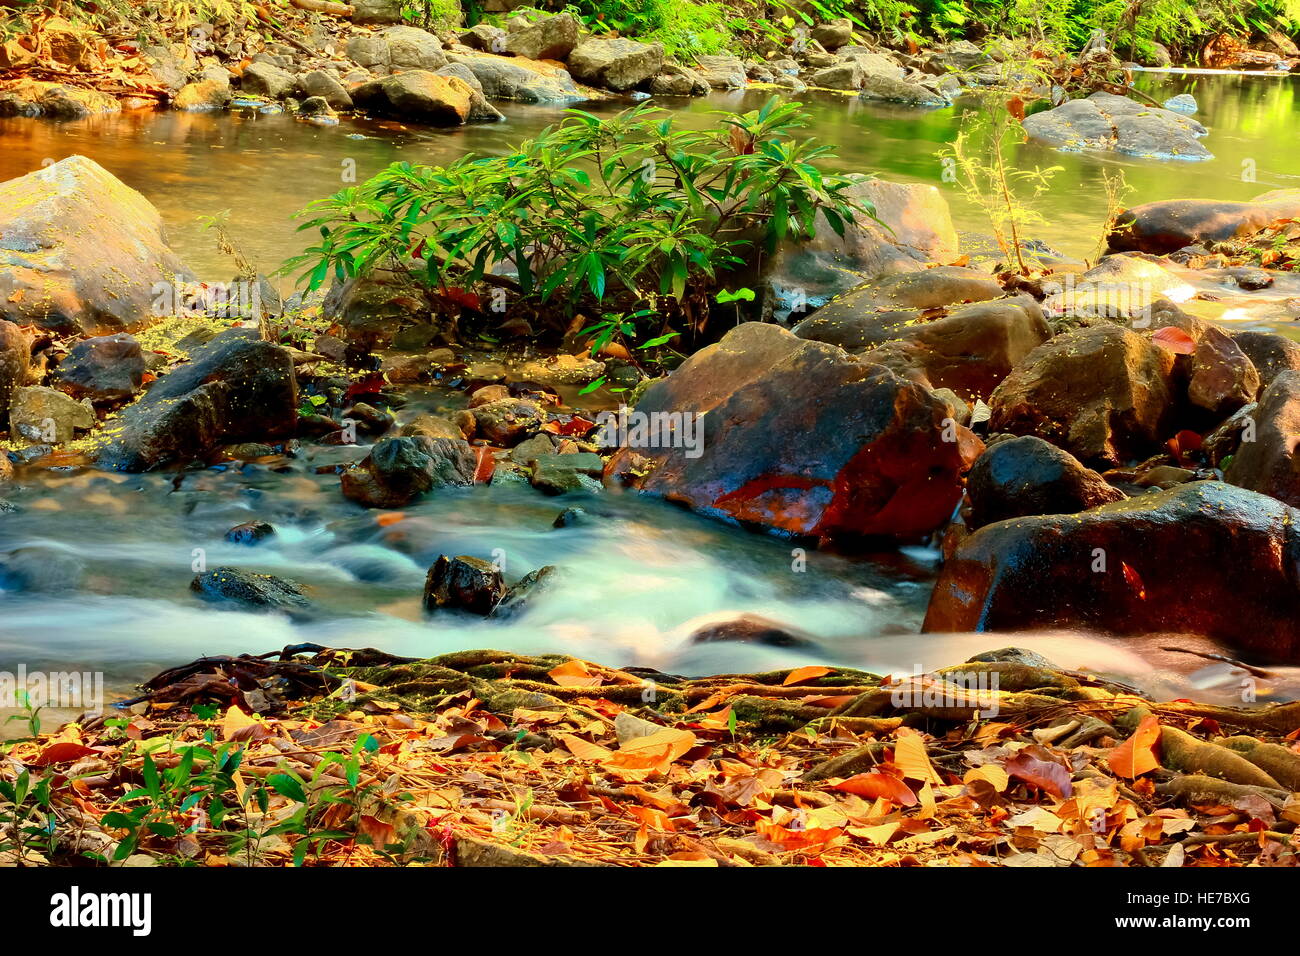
<point>433,14</point>
<point>630,212</point>
<point>684,27</point>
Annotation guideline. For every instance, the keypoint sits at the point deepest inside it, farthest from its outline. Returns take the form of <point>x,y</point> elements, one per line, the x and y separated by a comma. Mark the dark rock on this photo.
<point>250,590</point>
<point>751,629</point>
<point>528,589</point>
<point>1202,558</point>
<point>372,309</point>
<point>370,420</point>
<point>108,368</point>
<point>561,474</point>
<point>1169,225</point>
<point>1013,655</point>
<point>799,437</point>
<point>463,583</point>
<point>569,517</point>
<point>250,532</point>
<point>1102,392</point>
<point>1028,476</point>
<point>1270,353</point>
<point>1266,457</point>
<point>399,470</point>
<point>507,421</point>
<point>1223,378</point>
<point>235,388</point>
<point>15,359</point>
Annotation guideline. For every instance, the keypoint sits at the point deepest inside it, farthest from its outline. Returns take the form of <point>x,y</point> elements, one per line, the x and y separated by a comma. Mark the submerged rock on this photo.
<point>235,388</point>
<point>399,470</point>
<point>526,590</point>
<point>82,252</point>
<point>1201,558</point>
<point>799,437</point>
<point>1107,121</point>
<point>1101,392</point>
<point>463,583</point>
<point>250,532</point>
<point>250,590</point>
<point>1028,476</point>
<point>751,629</point>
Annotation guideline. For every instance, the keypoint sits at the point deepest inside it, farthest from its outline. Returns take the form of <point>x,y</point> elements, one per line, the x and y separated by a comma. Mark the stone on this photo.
<point>202,96</point>
<point>506,422</point>
<point>82,252</point>
<point>1168,225</point>
<point>1109,122</point>
<point>1223,378</point>
<point>325,85</point>
<point>1101,392</point>
<point>555,474</point>
<point>399,470</point>
<point>249,590</point>
<point>410,48</point>
<point>722,71</point>
<point>15,359</point>
<point>616,64</point>
<point>377,11</point>
<point>547,38</point>
<point>1027,476</point>
<point>1270,353</point>
<point>43,415</point>
<point>889,89</point>
<point>432,426</point>
<point>109,368</point>
<point>520,79</point>
<point>250,532</point>
<point>263,79</point>
<point>417,95</point>
<point>677,80</point>
<point>835,34</point>
<point>1182,103</point>
<point>1201,558</point>
<point>1265,459</point>
<point>463,583</point>
<point>801,438</point>
<point>527,590</point>
<point>235,388</point>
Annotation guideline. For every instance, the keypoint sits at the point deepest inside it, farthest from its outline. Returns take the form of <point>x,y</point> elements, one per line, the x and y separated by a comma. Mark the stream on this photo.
<point>105,560</point>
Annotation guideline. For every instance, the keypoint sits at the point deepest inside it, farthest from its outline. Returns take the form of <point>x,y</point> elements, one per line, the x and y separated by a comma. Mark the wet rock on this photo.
<point>325,85</point>
<point>1107,121</point>
<point>889,89</point>
<point>1013,655</point>
<point>432,426</point>
<point>40,414</point>
<point>26,97</point>
<point>368,419</point>
<point>1223,378</point>
<point>202,96</point>
<point>751,629</point>
<point>561,474</point>
<point>235,388</point>
<point>1270,353</point>
<point>506,422</point>
<point>417,95</point>
<point>41,569</point>
<point>371,310</point>
<point>250,590</point>
<point>1155,563</point>
<point>548,38</point>
<point>1102,392</point>
<point>1028,476</point>
<point>399,470</point>
<point>569,517</point>
<point>488,393</point>
<point>250,532</point>
<point>463,583</point>
<point>835,34</point>
<point>529,450</point>
<point>15,359</point>
<point>563,369</point>
<point>616,64</point>
<point>1182,103</point>
<point>721,71</point>
<point>108,368</point>
<point>263,79</point>
<point>799,437</point>
<point>917,231</point>
<point>677,80</point>
<point>1266,458</point>
<point>1169,225</point>
<point>520,79</point>
<point>82,252</point>
<point>528,589</point>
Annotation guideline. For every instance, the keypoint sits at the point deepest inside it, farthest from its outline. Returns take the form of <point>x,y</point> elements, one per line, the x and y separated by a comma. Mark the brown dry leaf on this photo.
<point>1137,756</point>
<point>801,674</point>
<point>574,674</point>
<point>911,758</point>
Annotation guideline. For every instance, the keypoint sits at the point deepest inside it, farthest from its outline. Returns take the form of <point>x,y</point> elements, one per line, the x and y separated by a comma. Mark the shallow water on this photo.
<point>110,557</point>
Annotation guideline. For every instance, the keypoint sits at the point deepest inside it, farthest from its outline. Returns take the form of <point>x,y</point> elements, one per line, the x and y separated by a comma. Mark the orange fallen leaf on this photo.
<point>879,786</point>
<point>801,674</point>
<point>1137,755</point>
<point>574,674</point>
<point>1174,339</point>
<point>912,760</point>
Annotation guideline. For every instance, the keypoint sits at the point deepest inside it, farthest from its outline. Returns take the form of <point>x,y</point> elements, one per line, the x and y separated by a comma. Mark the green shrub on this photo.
<point>629,215</point>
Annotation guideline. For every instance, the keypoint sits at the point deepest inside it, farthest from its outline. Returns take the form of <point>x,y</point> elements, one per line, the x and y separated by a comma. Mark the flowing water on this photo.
<point>105,560</point>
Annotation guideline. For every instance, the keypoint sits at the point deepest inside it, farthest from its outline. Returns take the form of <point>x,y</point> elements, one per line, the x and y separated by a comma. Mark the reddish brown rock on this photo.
<point>1027,476</point>
<point>1266,457</point>
<point>800,437</point>
<point>1169,225</point>
<point>1223,378</point>
<point>1101,392</point>
<point>1202,558</point>
<point>1270,353</point>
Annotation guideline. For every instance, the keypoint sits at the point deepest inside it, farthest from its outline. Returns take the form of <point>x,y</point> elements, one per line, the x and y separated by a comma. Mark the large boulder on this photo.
<point>520,79</point>
<point>327,86</point>
<point>890,89</point>
<point>1201,558</point>
<point>1101,392</point>
<point>1024,476</point>
<point>1266,459</point>
<point>722,71</point>
<point>912,228</point>
<point>15,359</point>
<point>105,369</point>
<point>463,583</point>
<point>1270,353</point>
<point>399,470</point>
<point>418,95</point>
<point>1222,378</point>
<point>1169,225</point>
<point>616,64</point>
<point>81,253</point>
<point>799,437</point>
<point>548,38</point>
<point>1107,121</point>
<point>267,79</point>
<point>235,388</point>
<point>396,49</point>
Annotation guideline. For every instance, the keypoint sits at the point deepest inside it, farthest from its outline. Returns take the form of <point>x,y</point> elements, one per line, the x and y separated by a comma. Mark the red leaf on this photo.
<point>485,463</point>
<point>877,785</point>
<point>1133,580</point>
<point>1046,775</point>
<point>1174,339</point>
<point>61,752</point>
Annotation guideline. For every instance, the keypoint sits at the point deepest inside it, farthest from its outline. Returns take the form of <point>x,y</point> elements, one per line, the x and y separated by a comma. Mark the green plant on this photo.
<point>628,214</point>
<point>979,162</point>
<point>433,14</point>
<point>31,715</point>
<point>26,816</point>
